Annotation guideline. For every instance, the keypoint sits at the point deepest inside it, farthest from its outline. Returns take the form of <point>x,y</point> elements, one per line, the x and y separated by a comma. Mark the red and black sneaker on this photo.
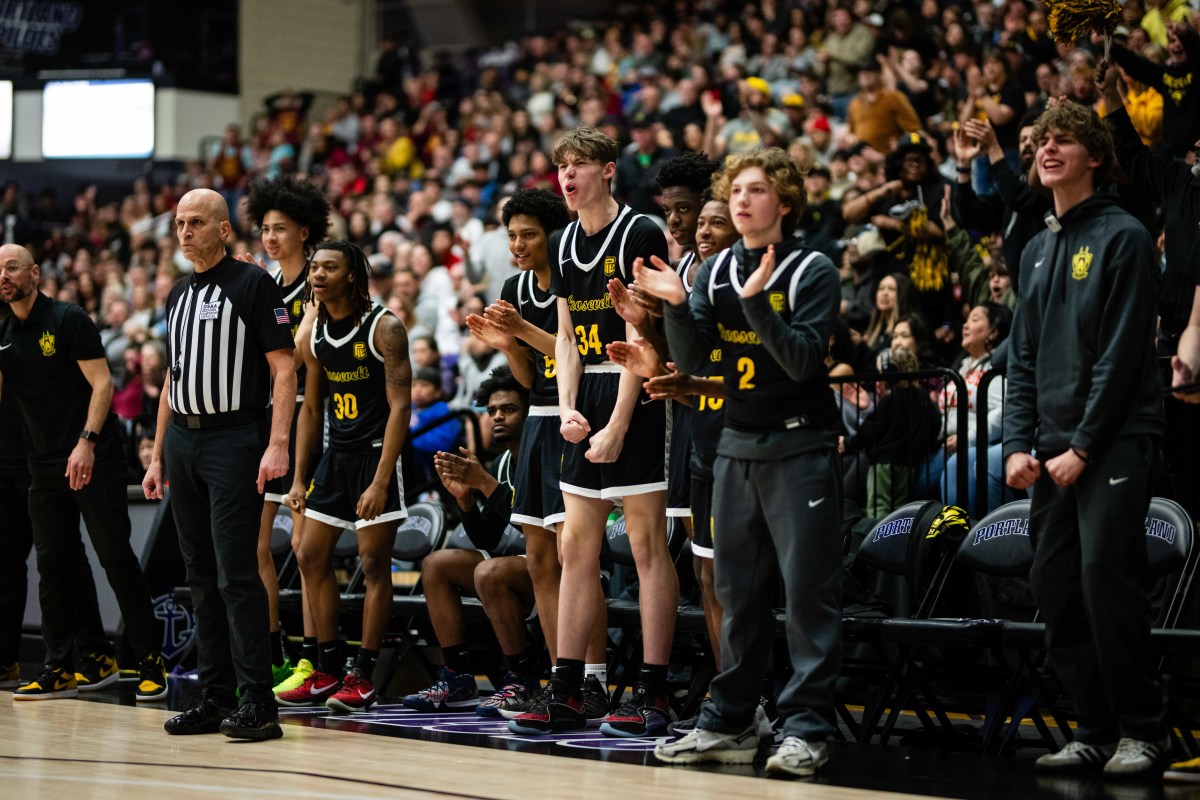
<point>644,713</point>
<point>552,712</point>
<point>316,689</point>
<point>357,694</point>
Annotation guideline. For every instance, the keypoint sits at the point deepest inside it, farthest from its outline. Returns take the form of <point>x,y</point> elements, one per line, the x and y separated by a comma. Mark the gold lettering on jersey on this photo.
<point>297,307</point>
<point>47,344</point>
<point>610,265</point>
<point>776,299</point>
<point>1177,87</point>
<point>349,376</point>
<point>1080,263</point>
<point>715,355</point>
<point>360,350</point>
<point>602,304</point>
<point>737,337</point>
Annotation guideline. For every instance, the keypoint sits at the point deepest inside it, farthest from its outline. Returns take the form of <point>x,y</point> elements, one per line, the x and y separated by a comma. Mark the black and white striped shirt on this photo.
<point>220,324</point>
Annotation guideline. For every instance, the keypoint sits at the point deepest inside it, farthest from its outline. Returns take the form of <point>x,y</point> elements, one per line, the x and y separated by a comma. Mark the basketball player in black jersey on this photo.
<point>293,217</point>
<point>522,325</point>
<point>614,438</point>
<point>706,396</point>
<point>357,358</point>
<point>770,305</point>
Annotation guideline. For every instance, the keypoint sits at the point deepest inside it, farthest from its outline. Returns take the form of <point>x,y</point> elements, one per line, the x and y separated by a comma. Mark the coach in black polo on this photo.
<point>228,337</point>
<point>52,362</point>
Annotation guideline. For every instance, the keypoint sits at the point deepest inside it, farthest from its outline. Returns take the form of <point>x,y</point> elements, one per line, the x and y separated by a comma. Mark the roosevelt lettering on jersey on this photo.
<point>348,376</point>
<point>357,392</point>
<point>579,264</point>
<point>760,395</point>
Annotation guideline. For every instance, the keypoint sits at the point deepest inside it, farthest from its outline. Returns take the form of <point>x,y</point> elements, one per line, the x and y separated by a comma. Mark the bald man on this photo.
<point>223,424</point>
<point>52,363</point>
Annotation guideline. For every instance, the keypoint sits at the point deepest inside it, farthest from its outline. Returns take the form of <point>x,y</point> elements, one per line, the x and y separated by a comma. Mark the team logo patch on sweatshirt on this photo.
<point>1080,263</point>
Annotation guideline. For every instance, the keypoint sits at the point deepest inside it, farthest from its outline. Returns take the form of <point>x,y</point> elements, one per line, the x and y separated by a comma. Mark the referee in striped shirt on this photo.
<point>221,439</point>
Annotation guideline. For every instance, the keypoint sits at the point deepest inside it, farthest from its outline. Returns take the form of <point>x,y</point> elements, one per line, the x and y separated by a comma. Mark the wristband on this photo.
<point>964,170</point>
<point>1079,454</point>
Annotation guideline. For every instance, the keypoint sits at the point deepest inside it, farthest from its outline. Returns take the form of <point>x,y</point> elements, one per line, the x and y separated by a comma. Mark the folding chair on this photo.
<point>886,549</point>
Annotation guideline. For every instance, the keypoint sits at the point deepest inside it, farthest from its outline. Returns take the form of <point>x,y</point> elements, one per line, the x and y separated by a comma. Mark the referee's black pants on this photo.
<point>212,474</point>
<point>1091,583</point>
<point>66,591</point>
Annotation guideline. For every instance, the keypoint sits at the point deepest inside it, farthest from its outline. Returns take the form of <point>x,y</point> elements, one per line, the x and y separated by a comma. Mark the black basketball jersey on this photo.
<point>357,388</point>
<point>759,394</point>
<point>581,267</point>
<point>293,302</point>
<point>540,310</point>
<point>684,267</point>
<point>709,414</point>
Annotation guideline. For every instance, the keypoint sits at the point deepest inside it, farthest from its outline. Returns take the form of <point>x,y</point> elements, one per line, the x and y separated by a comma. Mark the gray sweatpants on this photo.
<point>778,516</point>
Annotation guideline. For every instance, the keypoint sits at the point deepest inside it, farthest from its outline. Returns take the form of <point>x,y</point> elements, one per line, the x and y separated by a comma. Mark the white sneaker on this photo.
<point>798,757</point>
<point>1134,757</point>
<point>1076,756</point>
<point>701,745</point>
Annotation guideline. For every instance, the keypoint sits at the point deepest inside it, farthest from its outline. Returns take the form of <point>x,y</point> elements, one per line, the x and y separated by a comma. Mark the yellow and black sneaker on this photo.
<point>97,671</point>
<point>10,675</point>
<point>1183,771</point>
<point>54,683</point>
<point>152,684</point>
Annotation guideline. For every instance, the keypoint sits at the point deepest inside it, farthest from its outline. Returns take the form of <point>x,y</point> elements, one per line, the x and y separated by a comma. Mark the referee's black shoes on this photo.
<point>254,721</point>
<point>203,714</point>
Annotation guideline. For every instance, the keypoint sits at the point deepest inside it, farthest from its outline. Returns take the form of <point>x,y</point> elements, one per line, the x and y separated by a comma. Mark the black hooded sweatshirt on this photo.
<point>1082,368</point>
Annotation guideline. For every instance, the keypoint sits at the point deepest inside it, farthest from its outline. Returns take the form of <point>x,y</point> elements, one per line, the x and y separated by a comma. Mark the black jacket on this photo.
<point>1178,85</point>
<point>1082,368</point>
<point>1160,182</point>
<point>1017,212</point>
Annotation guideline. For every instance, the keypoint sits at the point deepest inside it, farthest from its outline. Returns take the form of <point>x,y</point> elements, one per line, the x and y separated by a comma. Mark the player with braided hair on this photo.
<point>357,357</point>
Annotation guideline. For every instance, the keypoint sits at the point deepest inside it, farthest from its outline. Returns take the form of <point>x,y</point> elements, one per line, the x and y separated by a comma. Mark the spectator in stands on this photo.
<point>1177,81</point>
<point>897,436</point>
<point>894,299</point>
<point>877,115</point>
<point>428,406</point>
<point>757,124</point>
<point>985,328</point>
<point>1018,211</point>
<point>906,211</point>
<point>637,169</point>
<point>847,45</point>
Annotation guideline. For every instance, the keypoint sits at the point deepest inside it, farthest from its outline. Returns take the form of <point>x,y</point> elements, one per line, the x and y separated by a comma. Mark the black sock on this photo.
<point>309,650</point>
<point>329,657</point>
<point>367,659</point>
<point>458,658</point>
<point>568,676</point>
<point>277,648</point>
<point>524,663</point>
<point>655,677</point>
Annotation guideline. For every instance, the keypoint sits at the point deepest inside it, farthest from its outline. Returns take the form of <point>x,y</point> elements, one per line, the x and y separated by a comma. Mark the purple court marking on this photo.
<point>610,743</point>
<point>481,727</point>
<point>466,724</point>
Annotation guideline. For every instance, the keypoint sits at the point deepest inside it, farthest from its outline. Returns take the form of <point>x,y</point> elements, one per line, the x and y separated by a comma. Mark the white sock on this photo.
<point>599,670</point>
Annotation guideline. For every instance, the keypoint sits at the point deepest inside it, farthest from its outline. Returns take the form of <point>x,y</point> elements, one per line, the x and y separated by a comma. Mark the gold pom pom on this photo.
<point>1071,20</point>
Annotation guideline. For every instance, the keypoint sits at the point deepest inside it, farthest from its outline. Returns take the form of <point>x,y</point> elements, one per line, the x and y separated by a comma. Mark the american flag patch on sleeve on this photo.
<point>281,317</point>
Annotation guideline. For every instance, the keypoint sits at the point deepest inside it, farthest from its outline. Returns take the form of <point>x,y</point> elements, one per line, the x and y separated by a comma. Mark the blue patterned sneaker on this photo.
<point>452,692</point>
<point>516,693</point>
<point>642,714</point>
